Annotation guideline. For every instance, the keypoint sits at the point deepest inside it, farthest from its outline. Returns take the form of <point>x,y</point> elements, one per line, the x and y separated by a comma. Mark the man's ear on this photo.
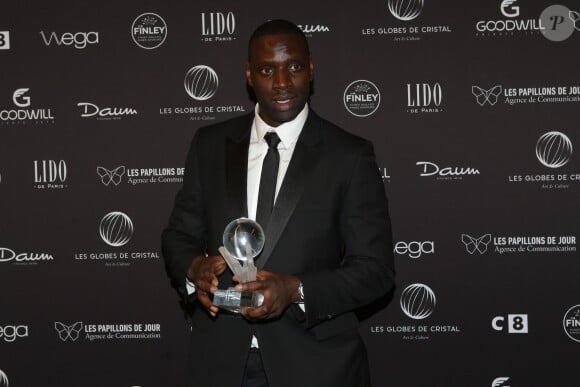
<point>249,74</point>
<point>311,65</point>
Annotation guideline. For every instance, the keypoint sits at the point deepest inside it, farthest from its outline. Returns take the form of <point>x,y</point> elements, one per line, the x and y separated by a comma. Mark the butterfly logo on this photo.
<point>66,332</point>
<point>575,16</point>
<point>490,96</point>
<point>498,382</point>
<point>476,244</point>
<point>113,175</point>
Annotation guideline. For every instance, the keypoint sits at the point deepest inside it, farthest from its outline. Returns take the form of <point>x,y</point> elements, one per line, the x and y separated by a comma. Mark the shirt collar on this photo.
<point>288,131</point>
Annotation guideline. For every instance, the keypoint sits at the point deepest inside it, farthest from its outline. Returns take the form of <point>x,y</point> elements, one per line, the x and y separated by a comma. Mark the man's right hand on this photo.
<point>203,272</point>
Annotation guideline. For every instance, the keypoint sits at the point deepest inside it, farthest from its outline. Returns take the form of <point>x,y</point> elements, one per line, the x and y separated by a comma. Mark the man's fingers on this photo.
<point>255,314</point>
<point>220,268</point>
<point>251,286</point>
<point>203,297</point>
<point>208,284</point>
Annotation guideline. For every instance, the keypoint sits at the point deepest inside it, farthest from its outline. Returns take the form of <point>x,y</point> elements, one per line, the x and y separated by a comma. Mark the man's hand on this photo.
<point>203,272</point>
<point>279,291</point>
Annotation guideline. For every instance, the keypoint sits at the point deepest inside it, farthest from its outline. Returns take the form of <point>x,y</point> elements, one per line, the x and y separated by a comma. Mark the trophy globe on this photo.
<point>244,239</point>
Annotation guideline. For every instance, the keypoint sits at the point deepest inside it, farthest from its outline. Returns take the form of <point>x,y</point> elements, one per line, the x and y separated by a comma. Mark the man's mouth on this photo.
<point>283,100</point>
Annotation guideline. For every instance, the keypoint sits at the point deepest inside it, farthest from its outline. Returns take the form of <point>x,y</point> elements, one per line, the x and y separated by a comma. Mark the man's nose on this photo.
<point>282,79</point>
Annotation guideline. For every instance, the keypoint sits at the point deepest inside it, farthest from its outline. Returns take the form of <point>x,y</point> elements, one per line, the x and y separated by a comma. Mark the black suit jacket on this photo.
<point>330,226</point>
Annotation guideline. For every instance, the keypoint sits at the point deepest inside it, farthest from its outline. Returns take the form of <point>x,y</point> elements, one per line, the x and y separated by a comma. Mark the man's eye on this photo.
<point>266,71</point>
<point>294,67</point>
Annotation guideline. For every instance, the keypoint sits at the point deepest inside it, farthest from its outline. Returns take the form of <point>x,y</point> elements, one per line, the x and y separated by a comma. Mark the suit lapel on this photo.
<point>299,171</point>
<point>237,144</point>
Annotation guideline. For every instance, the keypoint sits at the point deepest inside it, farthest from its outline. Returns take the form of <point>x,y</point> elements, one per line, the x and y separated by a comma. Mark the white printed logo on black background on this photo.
<point>23,113</point>
<point>489,96</point>
<point>424,98</point>
<point>414,249</point>
<point>362,98</point>
<point>110,331</point>
<point>3,379</point>
<point>405,10</point>
<point>50,174</point>
<point>116,229</point>
<point>572,323</point>
<point>20,98</point>
<point>68,332</point>
<point>89,109</point>
<point>519,244</point>
<point>201,82</point>
<point>510,26</point>
<point>310,29</point>
<point>512,323</point>
<point>9,255</point>
<point>575,17</point>
<point>476,244</point>
<point>78,40</point>
<point>218,26</point>
<point>402,30</point>
<point>500,382</point>
<point>418,301</point>
<point>9,333</point>
<point>554,149</point>
<point>149,31</point>
<point>508,9</point>
<point>109,176</point>
<point>429,168</point>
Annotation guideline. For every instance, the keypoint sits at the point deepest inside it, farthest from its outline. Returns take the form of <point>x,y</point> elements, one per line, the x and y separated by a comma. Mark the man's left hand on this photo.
<point>279,291</point>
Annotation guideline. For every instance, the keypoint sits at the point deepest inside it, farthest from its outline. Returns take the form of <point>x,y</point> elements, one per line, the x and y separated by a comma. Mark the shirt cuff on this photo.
<point>189,286</point>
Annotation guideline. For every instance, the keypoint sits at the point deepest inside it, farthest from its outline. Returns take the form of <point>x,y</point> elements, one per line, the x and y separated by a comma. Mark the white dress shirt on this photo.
<point>288,133</point>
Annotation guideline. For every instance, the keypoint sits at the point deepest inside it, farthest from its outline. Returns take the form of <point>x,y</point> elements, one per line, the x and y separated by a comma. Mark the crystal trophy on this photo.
<point>243,240</point>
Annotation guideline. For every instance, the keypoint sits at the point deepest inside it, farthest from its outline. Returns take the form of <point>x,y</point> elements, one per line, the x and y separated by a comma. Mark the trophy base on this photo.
<point>235,300</point>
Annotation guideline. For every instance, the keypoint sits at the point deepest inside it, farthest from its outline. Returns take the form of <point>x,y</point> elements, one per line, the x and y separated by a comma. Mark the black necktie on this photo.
<point>268,180</point>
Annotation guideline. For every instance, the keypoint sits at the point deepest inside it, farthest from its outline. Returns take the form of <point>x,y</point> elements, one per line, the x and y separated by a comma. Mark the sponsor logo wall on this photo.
<point>472,110</point>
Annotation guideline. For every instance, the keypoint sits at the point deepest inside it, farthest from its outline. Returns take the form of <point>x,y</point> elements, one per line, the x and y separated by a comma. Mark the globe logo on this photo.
<point>418,301</point>
<point>554,149</point>
<point>405,10</point>
<point>3,379</point>
<point>201,82</point>
<point>116,229</point>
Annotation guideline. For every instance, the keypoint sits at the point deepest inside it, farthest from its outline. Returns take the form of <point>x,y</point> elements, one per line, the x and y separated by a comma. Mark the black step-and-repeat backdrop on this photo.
<point>473,108</point>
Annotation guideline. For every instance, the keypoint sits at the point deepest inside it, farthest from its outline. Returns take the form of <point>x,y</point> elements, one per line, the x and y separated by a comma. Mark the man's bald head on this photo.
<point>277,27</point>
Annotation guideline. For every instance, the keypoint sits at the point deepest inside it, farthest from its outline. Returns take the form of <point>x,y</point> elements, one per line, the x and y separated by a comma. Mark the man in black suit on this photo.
<point>328,244</point>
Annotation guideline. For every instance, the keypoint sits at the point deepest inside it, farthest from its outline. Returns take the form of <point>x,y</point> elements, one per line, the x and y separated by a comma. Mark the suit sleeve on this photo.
<point>186,235</point>
<point>367,269</point>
